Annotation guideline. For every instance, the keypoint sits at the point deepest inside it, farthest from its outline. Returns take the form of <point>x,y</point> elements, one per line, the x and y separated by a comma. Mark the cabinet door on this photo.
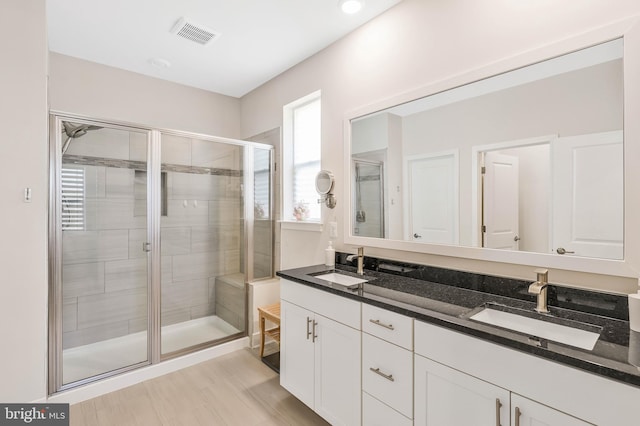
<point>444,396</point>
<point>337,372</point>
<point>297,351</point>
<point>526,412</point>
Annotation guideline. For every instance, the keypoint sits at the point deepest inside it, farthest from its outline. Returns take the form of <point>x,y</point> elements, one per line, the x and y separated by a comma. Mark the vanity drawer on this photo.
<point>387,325</point>
<point>375,413</point>
<point>387,373</point>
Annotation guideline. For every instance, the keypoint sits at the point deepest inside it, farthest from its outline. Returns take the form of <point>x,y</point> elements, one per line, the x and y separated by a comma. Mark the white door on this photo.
<point>433,199</point>
<point>588,195</point>
<point>337,372</point>
<point>297,352</point>
<point>526,412</point>
<point>500,201</point>
<point>444,396</point>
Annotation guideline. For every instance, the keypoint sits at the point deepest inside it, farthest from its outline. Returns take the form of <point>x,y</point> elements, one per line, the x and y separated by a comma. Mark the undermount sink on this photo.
<point>568,332</point>
<point>341,279</point>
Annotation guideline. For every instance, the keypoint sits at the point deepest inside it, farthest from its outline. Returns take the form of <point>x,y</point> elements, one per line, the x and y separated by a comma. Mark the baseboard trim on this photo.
<point>92,390</point>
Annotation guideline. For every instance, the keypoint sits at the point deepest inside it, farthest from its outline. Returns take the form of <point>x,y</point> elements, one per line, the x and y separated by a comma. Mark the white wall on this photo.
<point>23,226</point>
<point>79,87</point>
<point>414,44</point>
<point>98,91</point>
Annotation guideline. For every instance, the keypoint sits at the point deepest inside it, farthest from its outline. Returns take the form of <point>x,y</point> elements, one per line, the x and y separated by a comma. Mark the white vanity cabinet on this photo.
<point>444,396</point>
<point>457,375</point>
<point>387,367</point>
<point>526,412</point>
<point>320,352</point>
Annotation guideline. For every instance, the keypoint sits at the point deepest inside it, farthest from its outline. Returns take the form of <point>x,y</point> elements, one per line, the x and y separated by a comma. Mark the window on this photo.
<point>301,159</point>
<point>73,199</point>
<point>262,184</point>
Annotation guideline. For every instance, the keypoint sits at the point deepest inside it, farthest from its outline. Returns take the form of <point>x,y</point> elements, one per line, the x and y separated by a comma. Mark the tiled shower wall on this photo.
<point>104,266</point>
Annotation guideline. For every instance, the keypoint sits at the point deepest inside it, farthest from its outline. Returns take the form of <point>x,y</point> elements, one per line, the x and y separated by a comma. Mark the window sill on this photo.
<point>301,226</point>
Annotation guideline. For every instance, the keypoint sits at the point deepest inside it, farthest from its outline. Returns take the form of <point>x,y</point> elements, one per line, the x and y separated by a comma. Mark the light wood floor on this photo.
<point>234,389</point>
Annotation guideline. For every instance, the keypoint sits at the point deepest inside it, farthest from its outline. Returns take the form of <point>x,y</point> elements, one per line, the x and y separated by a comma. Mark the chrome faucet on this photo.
<point>360,260</point>
<point>539,287</point>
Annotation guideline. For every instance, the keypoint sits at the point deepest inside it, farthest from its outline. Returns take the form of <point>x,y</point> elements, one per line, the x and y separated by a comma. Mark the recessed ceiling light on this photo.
<point>351,6</point>
<point>160,63</point>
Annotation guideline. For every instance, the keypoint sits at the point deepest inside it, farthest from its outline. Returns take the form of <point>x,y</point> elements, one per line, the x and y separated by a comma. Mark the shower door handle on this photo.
<point>146,247</point>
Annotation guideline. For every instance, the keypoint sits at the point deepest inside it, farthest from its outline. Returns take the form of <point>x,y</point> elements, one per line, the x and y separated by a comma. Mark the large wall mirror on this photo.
<point>525,161</point>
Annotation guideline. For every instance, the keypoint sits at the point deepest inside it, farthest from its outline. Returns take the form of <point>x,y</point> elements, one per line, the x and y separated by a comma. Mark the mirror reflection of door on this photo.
<point>368,198</point>
<point>515,195</point>
<point>588,195</point>
<point>500,201</point>
<point>432,213</point>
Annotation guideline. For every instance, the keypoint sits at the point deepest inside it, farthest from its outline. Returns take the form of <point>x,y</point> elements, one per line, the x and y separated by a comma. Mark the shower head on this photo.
<point>79,130</point>
<point>73,132</point>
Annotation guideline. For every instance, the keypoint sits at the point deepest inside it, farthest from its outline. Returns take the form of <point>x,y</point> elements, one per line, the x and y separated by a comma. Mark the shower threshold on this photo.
<point>107,355</point>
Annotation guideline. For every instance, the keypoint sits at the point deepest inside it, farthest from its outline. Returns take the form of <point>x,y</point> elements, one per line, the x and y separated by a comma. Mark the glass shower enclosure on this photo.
<point>154,236</point>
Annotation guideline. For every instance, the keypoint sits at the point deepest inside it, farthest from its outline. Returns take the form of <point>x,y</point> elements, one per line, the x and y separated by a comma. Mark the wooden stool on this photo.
<point>271,313</point>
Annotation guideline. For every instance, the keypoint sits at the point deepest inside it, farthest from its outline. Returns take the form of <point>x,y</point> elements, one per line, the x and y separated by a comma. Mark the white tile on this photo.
<point>206,239</point>
<point>197,266</point>
<point>126,274</point>
<point>191,186</point>
<point>185,294</point>
<point>175,241</point>
<point>179,214</point>
<point>117,213</point>
<point>137,146</point>
<point>225,212</point>
<point>176,150</point>
<point>82,279</point>
<point>119,183</point>
<point>94,181</point>
<point>174,316</point>
<point>204,310</point>
<point>231,261</point>
<point>138,324</point>
<point>69,314</point>
<point>103,310</point>
<point>136,238</point>
<point>166,267</point>
<point>86,336</point>
<point>94,246</point>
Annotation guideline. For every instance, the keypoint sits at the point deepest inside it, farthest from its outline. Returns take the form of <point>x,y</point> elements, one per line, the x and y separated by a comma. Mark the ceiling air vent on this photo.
<point>194,32</point>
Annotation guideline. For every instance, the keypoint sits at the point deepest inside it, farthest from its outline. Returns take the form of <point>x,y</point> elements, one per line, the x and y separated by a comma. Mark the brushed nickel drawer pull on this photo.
<point>377,322</point>
<point>518,412</point>
<point>380,373</point>
<point>315,336</point>
<point>498,405</point>
<point>308,331</point>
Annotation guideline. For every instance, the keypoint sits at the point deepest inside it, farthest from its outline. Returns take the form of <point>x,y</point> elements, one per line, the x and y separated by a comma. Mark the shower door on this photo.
<point>202,242</point>
<point>151,244</point>
<point>368,198</point>
<point>99,228</point>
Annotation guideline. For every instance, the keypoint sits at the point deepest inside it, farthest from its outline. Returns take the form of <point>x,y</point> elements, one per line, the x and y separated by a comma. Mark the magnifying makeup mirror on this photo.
<point>324,185</point>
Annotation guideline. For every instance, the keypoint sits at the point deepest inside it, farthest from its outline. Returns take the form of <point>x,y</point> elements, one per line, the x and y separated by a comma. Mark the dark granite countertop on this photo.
<point>448,298</point>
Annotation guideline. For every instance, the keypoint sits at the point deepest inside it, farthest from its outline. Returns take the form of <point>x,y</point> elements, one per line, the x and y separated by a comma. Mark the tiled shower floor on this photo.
<point>100,357</point>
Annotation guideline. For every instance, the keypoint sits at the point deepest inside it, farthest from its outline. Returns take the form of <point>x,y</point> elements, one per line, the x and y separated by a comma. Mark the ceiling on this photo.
<point>259,39</point>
